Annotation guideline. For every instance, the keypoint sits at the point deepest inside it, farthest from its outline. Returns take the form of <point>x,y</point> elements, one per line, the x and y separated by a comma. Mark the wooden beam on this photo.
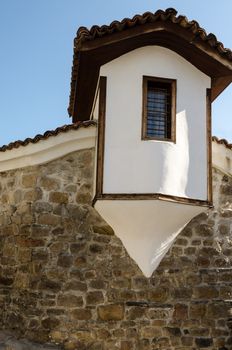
<point>152,196</point>
<point>101,135</point>
<point>209,146</point>
<point>219,85</point>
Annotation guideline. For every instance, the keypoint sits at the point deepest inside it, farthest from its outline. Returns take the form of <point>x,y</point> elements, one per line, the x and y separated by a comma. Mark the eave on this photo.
<point>100,45</point>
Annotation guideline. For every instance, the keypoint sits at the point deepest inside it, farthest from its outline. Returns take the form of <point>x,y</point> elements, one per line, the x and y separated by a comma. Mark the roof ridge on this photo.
<point>47,134</point>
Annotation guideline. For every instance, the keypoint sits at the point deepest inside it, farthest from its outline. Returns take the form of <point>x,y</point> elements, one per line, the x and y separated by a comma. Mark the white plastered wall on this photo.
<point>135,166</point>
<point>147,228</point>
<point>222,158</point>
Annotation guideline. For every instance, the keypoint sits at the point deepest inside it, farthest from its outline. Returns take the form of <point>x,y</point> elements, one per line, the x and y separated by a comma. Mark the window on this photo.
<point>159,109</point>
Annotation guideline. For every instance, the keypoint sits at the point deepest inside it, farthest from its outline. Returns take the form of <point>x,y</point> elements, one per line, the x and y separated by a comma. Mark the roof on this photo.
<point>222,142</point>
<point>98,45</point>
<point>47,134</point>
<point>84,34</point>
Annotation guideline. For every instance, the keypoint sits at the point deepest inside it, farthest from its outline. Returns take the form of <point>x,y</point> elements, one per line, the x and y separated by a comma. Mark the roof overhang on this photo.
<point>100,45</point>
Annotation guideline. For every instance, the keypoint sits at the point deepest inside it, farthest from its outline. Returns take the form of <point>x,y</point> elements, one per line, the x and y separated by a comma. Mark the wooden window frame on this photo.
<point>172,83</point>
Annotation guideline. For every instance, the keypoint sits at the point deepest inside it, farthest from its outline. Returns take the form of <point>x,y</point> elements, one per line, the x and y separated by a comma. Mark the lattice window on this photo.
<point>158,108</point>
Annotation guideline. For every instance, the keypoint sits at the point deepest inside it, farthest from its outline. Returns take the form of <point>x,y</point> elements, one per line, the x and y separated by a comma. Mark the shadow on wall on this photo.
<point>176,161</point>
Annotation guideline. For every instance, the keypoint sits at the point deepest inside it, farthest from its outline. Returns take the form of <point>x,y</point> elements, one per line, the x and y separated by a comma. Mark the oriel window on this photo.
<point>159,109</point>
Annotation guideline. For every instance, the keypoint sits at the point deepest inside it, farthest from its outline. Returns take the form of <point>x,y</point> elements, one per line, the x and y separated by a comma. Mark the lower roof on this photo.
<point>46,135</point>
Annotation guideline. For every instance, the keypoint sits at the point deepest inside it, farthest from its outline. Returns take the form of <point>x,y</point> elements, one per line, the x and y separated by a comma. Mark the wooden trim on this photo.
<point>209,146</point>
<point>101,135</point>
<point>152,196</point>
<point>172,82</point>
<point>154,29</point>
<point>88,71</point>
<point>95,101</point>
<point>219,85</point>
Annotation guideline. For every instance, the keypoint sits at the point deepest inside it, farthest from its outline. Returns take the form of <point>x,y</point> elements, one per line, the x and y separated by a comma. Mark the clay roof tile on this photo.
<point>222,142</point>
<point>46,135</point>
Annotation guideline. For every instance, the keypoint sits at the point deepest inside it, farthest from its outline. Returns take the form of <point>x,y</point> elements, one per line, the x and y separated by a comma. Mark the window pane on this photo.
<point>158,110</point>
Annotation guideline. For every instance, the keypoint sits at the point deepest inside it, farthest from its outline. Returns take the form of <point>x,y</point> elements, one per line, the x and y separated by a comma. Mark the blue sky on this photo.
<point>36,39</point>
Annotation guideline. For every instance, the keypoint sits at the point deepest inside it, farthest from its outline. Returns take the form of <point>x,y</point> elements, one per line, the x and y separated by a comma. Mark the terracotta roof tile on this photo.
<point>47,134</point>
<point>84,34</point>
<point>222,142</point>
<point>170,14</point>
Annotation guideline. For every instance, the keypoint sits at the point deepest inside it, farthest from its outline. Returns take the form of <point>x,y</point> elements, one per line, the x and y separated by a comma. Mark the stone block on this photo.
<point>76,248</point>
<point>69,300</point>
<point>41,207</point>
<point>158,294</point>
<point>49,219</point>
<point>97,284</point>
<point>65,260</point>
<point>33,194</point>
<point>50,285</point>
<point>204,342</point>
<point>127,345</point>
<point>151,332</point>
<point>103,230</point>
<point>21,281</point>
<point>81,314</point>
<point>29,180</point>
<point>113,312</point>
<point>38,231</point>
<point>137,312</point>
<point>94,298</point>
<point>205,292</point>
<point>76,285</point>
<point>24,255</point>
<point>83,197</point>
<point>197,310</point>
<point>49,183</point>
<point>103,334</point>
<point>58,197</point>
<point>50,323</point>
<point>40,255</point>
<point>6,281</point>
<point>180,312</point>
<point>173,331</point>
<point>96,249</point>
<point>218,310</point>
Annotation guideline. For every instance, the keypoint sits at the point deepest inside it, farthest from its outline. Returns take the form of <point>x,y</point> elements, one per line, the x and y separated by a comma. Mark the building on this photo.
<point>139,157</point>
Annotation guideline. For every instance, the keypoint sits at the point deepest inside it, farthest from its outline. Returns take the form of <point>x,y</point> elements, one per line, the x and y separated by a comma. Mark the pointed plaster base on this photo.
<point>147,228</point>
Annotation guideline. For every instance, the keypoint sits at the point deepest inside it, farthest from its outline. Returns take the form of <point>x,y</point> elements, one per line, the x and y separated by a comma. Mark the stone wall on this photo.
<point>66,279</point>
